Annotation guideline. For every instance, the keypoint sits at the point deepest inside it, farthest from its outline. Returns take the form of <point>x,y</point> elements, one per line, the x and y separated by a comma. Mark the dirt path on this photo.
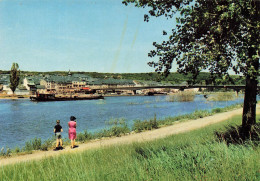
<point>138,137</point>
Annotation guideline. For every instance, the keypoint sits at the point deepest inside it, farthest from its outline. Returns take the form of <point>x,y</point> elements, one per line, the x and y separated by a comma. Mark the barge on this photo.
<point>54,97</point>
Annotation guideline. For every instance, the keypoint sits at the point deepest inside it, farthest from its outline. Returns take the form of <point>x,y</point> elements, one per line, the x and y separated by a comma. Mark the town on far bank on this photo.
<point>74,84</point>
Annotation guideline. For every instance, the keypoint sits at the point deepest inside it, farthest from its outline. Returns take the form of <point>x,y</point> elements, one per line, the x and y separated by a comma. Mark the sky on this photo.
<point>78,35</point>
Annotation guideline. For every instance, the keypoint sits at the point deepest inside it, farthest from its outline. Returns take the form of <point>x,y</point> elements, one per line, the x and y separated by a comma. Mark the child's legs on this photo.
<point>60,140</point>
<point>57,142</point>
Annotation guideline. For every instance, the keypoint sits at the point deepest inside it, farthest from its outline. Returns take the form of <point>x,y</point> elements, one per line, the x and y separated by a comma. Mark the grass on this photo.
<point>183,96</point>
<point>11,96</point>
<point>222,96</point>
<point>196,155</point>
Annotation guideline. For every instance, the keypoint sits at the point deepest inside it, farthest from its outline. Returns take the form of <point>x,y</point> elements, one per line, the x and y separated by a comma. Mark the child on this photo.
<point>57,131</point>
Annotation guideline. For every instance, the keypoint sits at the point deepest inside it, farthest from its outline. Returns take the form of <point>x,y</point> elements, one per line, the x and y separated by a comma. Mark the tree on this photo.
<point>14,76</point>
<point>216,35</point>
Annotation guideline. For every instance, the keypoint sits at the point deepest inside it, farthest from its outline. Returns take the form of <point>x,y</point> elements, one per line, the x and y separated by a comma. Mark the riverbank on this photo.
<point>194,155</point>
<point>5,96</point>
<point>176,128</point>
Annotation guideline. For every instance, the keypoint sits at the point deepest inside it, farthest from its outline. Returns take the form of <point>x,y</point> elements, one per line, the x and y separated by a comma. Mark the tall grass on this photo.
<point>183,96</point>
<point>222,96</point>
<point>140,126</point>
<point>196,155</point>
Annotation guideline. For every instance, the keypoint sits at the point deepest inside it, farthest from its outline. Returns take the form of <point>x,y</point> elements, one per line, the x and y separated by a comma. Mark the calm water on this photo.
<point>22,120</point>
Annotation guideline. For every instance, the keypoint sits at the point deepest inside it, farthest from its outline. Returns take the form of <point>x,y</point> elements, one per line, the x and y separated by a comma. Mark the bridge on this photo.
<point>236,88</point>
<point>181,87</point>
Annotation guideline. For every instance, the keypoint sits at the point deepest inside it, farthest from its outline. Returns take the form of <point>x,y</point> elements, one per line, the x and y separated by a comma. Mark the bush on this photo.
<point>145,125</point>
<point>222,96</point>
<point>216,110</point>
<point>183,96</point>
<point>47,144</point>
<point>84,136</point>
<point>36,143</point>
<point>119,130</point>
<point>8,152</point>
<point>200,114</point>
<point>2,152</point>
<point>102,133</point>
<point>28,147</point>
<point>16,150</point>
<point>119,127</point>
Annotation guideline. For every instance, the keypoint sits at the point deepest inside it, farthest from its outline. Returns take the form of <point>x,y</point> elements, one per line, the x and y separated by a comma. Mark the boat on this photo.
<point>54,97</point>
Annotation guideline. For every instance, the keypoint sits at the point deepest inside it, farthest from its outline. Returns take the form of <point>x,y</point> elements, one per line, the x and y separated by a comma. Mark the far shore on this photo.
<point>14,96</point>
<point>105,95</point>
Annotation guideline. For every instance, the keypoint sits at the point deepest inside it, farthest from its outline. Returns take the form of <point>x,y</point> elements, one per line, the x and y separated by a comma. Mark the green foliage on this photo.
<point>222,96</point>
<point>34,144</point>
<point>16,150</point>
<point>183,96</point>
<point>14,76</point>
<point>48,144</point>
<point>216,110</point>
<point>140,126</point>
<point>119,127</point>
<point>5,152</point>
<point>82,137</point>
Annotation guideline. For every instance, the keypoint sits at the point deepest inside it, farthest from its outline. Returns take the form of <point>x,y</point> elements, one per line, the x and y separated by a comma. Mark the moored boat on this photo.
<point>54,97</point>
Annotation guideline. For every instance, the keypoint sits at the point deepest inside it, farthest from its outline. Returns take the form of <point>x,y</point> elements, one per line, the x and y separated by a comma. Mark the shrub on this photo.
<point>216,110</point>
<point>28,147</point>
<point>119,127</point>
<point>36,143</point>
<point>2,152</point>
<point>8,152</point>
<point>16,150</point>
<point>183,96</point>
<point>102,133</point>
<point>222,96</point>
<point>145,125</point>
<point>118,130</point>
<point>84,136</point>
<point>200,114</point>
<point>49,143</point>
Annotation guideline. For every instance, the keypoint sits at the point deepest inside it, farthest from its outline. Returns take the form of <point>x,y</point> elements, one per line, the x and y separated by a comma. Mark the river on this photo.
<point>22,120</point>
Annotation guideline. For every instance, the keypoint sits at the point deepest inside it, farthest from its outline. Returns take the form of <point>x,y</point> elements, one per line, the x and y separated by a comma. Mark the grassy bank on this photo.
<point>118,128</point>
<point>196,155</point>
<point>6,96</point>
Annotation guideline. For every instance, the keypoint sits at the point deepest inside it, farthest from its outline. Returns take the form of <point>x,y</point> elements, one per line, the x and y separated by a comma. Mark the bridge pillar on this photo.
<point>237,91</point>
<point>134,92</point>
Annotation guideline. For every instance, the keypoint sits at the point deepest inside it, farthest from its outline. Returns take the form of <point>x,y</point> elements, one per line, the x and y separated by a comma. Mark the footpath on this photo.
<point>176,128</point>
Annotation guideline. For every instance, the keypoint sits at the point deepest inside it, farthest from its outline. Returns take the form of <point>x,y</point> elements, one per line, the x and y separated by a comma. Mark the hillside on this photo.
<point>173,78</point>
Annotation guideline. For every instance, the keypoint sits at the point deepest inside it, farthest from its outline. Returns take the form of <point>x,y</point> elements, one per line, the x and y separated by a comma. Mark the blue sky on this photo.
<point>80,35</point>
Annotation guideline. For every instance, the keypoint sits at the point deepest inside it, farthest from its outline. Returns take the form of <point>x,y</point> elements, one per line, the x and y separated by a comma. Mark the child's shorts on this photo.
<point>58,135</point>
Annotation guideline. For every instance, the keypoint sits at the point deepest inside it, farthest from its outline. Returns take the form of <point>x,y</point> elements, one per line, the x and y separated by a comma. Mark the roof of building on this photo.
<point>40,87</point>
